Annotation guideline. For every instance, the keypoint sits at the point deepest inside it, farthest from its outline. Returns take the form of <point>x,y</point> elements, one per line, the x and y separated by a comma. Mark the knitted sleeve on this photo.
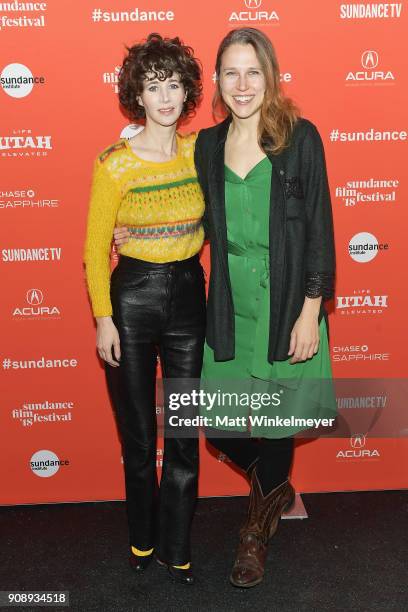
<point>103,207</point>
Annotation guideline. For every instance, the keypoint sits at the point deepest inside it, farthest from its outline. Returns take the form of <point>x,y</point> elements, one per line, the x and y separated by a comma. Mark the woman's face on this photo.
<point>162,100</point>
<point>241,80</point>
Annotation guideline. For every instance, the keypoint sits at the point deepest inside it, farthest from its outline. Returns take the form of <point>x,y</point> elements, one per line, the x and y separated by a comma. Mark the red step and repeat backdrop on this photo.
<point>345,66</point>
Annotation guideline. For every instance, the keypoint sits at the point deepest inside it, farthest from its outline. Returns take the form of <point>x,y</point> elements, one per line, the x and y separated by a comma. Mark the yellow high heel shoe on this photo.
<point>140,559</point>
<point>179,573</point>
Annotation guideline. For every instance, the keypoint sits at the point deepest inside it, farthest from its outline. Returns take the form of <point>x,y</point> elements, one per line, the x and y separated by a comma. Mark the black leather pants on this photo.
<point>157,309</point>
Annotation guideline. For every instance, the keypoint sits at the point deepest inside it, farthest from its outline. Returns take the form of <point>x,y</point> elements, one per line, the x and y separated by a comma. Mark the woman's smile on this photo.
<point>243,100</point>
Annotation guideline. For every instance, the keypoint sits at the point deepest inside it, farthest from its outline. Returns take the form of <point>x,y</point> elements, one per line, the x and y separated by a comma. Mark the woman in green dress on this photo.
<point>247,201</point>
<point>269,223</point>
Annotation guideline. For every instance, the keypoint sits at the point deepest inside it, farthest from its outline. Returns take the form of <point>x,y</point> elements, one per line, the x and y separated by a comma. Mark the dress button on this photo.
<point>253,269</point>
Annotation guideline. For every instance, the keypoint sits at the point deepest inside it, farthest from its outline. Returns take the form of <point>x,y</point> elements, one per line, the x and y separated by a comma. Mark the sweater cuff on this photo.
<point>102,312</point>
<point>319,284</point>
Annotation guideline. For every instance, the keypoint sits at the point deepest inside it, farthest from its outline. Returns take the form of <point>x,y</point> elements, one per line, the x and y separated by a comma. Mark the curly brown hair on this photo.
<point>160,57</point>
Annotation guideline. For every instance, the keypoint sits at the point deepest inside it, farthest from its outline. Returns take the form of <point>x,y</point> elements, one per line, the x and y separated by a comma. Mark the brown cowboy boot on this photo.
<point>261,524</point>
<point>250,469</point>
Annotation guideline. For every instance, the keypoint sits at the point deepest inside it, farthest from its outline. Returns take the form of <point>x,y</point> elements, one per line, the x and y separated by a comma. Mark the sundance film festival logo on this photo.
<point>371,10</point>
<point>370,74</point>
<point>358,450</point>
<point>24,199</point>
<point>111,78</point>
<point>45,463</point>
<point>33,413</point>
<point>18,81</point>
<point>23,143</point>
<point>356,353</point>
<point>12,18</point>
<point>362,302</point>
<point>35,307</point>
<point>254,11</point>
<point>370,191</point>
<point>363,247</point>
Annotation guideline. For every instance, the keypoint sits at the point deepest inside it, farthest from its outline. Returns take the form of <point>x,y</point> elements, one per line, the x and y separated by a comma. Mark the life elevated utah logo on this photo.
<point>371,73</point>
<point>254,12</point>
<point>362,302</point>
<point>23,143</point>
<point>35,308</point>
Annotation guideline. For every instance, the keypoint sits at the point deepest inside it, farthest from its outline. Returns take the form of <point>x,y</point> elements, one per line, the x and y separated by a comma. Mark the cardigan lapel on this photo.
<point>217,197</point>
<point>277,239</point>
<point>216,168</point>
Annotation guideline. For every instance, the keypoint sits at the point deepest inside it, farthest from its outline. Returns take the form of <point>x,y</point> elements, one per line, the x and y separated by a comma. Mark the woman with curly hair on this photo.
<point>154,302</point>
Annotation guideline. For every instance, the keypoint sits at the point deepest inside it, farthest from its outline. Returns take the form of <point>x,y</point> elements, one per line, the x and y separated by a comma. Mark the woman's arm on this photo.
<point>320,253</point>
<point>304,339</point>
<point>103,207</point>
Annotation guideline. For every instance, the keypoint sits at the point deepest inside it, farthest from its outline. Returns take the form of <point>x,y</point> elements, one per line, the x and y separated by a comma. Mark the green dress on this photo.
<point>304,389</point>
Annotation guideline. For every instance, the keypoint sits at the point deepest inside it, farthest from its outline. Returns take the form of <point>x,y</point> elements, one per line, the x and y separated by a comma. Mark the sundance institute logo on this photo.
<point>45,463</point>
<point>364,246</point>
<point>18,81</point>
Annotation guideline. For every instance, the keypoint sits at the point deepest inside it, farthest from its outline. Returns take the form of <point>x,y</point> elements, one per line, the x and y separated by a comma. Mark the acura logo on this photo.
<point>358,441</point>
<point>369,60</point>
<point>35,297</point>
<point>253,4</point>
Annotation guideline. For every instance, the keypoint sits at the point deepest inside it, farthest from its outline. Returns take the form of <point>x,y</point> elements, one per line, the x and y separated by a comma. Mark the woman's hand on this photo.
<point>304,339</point>
<point>107,337</point>
<point>121,235</point>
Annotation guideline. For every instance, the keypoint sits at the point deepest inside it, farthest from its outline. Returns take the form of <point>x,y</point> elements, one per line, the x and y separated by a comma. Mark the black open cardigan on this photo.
<point>301,242</point>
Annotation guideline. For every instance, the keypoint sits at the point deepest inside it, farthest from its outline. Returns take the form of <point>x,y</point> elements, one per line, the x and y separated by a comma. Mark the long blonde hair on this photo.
<point>278,113</point>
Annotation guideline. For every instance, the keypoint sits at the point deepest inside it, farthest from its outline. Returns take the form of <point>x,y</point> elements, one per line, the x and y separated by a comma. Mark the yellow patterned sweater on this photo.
<point>160,202</point>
